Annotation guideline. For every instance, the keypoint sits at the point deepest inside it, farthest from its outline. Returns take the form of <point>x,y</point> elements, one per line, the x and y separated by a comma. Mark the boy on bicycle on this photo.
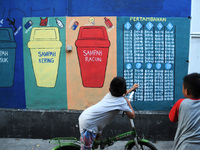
<point>187,112</point>
<point>95,118</point>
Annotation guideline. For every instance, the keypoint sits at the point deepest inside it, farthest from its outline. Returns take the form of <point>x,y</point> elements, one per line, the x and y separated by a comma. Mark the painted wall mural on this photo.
<point>60,55</point>
<point>92,49</point>
<point>87,49</point>
<point>92,63</point>
<point>7,57</point>
<point>45,62</point>
<point>152,51</point>
<point>68,60</point>
<point>11,63</point>
<point>45,49</point>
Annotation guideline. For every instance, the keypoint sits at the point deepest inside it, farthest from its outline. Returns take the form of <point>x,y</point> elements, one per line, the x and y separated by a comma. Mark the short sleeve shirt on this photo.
<point>96,117</point>
<point>187,113</point>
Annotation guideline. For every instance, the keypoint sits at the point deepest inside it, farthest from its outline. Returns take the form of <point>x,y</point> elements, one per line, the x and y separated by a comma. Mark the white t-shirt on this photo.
<point>96,117</point>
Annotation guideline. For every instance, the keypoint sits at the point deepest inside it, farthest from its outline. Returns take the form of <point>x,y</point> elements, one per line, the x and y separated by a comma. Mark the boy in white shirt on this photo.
<point>95,118</point>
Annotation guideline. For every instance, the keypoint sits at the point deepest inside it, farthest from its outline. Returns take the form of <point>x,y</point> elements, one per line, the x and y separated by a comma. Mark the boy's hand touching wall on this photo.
<point>135,86</point>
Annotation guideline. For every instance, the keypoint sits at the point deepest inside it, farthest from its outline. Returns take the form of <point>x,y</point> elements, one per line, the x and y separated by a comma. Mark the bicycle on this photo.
<point>137,143</point>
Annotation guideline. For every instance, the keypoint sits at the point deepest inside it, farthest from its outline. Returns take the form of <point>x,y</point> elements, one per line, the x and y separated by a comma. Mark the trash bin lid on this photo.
<point>6,34</point>
<point>7,38</point>
<point>93,32</point>
<point>45,37</point>
<point>92,36</point>
<point>4,45</point>
<point>45,33</point>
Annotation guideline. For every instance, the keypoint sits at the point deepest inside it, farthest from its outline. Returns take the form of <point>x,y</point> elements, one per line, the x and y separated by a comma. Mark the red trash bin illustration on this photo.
<point>92,49</point>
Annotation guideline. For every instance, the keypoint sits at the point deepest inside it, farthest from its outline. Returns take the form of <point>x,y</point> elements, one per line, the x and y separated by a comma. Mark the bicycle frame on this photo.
<point>73,142</point>
<point>110,141</point>
<point>69,141</point>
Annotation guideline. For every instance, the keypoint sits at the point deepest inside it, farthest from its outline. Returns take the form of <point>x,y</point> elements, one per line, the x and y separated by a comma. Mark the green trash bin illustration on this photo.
<point>7,57</point>
<point>45,46</point>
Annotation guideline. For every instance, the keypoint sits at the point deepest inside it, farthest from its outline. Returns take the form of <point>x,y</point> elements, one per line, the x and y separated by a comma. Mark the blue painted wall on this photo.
<point>14,96</point>
<point>145,8</point>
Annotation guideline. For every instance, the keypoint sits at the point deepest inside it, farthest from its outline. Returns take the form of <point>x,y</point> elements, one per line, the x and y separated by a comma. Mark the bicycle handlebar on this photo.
<point>130,99</point>
<point>131,95</point>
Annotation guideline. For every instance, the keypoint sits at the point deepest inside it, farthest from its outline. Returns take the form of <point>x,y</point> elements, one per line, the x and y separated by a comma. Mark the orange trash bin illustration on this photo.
<point>45,46</point>
<point>92,48</point>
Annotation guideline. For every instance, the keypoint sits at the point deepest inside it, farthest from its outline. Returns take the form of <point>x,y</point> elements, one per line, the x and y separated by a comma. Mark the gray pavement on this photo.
<point>40,144</point>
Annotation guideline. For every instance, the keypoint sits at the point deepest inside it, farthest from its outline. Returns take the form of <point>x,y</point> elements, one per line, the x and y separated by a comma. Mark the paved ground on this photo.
<point>39,144</point>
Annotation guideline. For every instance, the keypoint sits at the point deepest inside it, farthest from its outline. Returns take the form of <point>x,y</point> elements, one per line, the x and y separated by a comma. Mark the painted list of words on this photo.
<point>149,54</point>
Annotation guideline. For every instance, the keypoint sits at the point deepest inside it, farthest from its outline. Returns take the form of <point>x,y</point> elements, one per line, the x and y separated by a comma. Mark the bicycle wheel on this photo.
<point>67,148</point>
<point>142,146</point>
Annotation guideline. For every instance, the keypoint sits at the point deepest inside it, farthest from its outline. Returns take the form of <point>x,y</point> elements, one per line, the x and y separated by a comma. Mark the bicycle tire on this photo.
<point>142,145</point>
<point>67,148</point>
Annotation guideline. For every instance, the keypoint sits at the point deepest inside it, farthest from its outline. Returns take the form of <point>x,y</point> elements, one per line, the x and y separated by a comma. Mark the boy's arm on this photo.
<point>131,114</point>
<point>135,86</point>
<point>173,114</point>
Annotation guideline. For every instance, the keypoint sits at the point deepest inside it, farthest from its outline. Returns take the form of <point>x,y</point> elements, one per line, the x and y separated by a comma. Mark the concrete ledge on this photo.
<point>46,124</point>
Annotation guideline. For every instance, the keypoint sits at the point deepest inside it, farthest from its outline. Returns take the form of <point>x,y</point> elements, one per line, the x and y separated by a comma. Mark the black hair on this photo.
<point>192,83</point>
<point>118,86</point>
